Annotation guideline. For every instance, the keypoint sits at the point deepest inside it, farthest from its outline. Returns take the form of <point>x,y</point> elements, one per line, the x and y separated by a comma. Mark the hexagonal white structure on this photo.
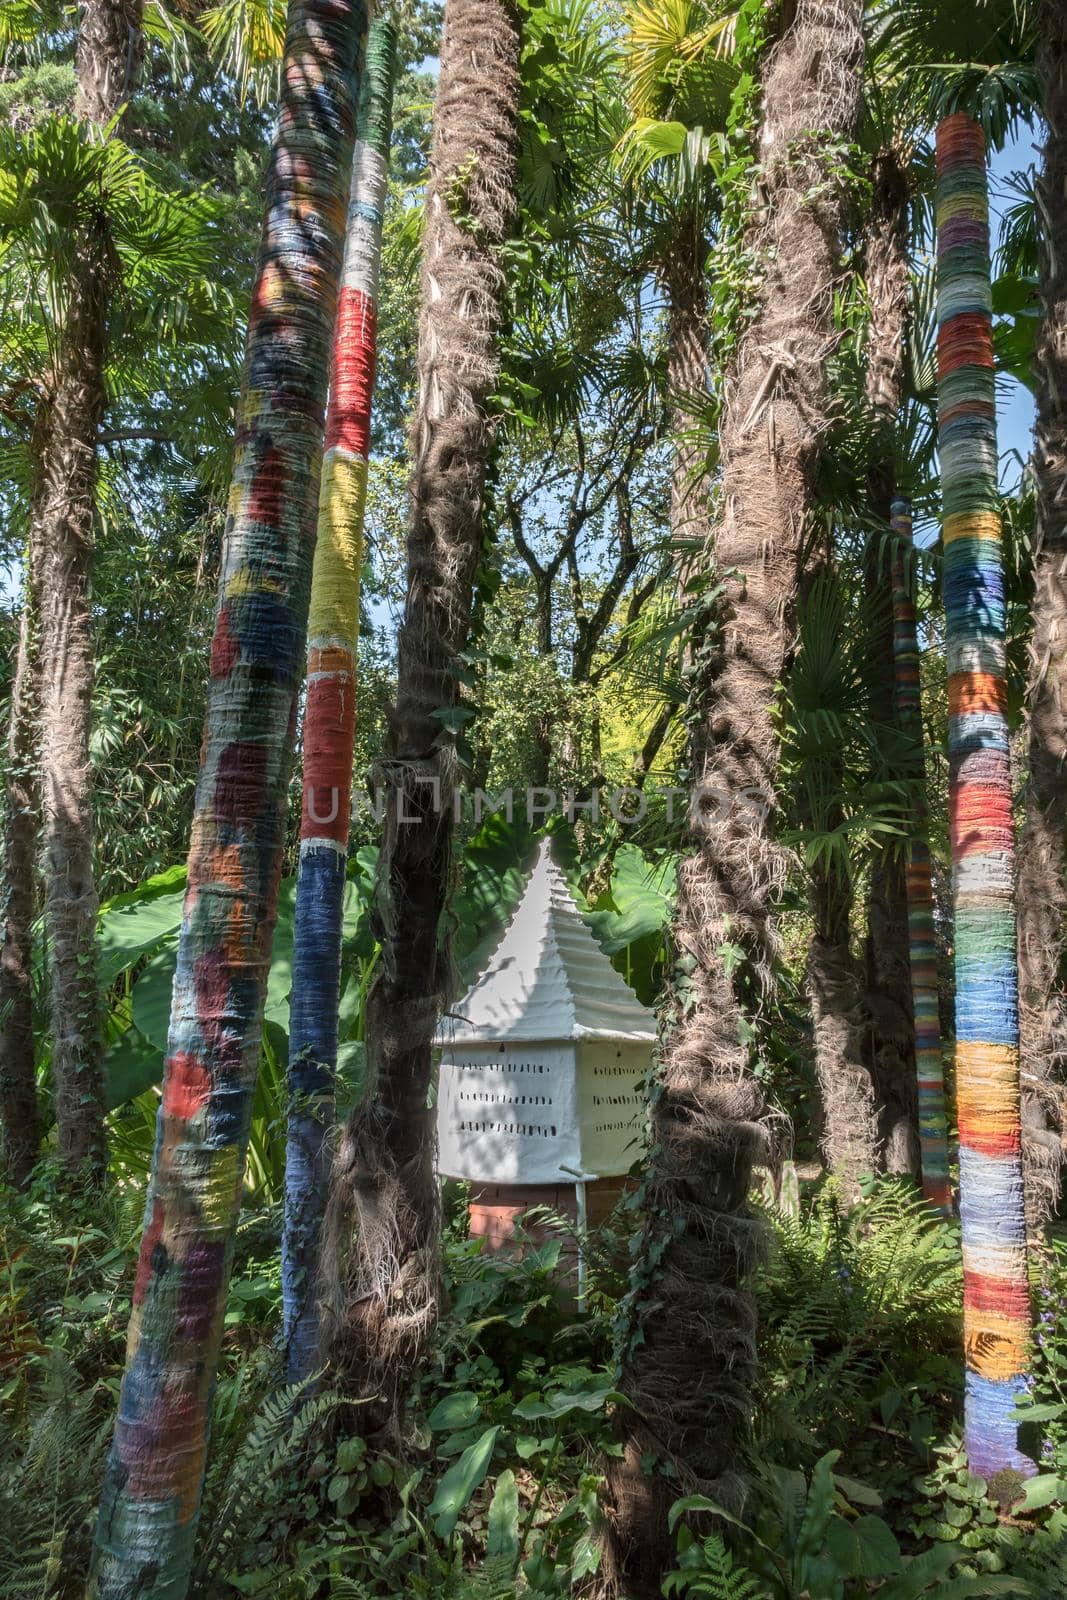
<point>542,1060</point>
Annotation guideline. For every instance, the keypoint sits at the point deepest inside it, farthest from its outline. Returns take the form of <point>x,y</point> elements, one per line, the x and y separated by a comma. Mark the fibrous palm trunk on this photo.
<point>689,1351</point>
<point>330,720</point>
<point>153,1482</point>
<point>1043,841</point>
<point>382,1225</point>
<point>888,972</point>
<point>922,930</point>
<point>685,280</point>
<point>107,52</point>
<point>996,1298</point>
<point>19,1110</point>
<point>839,1024</point>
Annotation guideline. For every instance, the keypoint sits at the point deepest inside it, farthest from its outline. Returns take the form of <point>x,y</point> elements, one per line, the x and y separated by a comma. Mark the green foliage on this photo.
<point>710,1573</point>
<point>843,761</point>
<point>48,1486</point>
<point>859,1312</point>
<point>808,1541</point>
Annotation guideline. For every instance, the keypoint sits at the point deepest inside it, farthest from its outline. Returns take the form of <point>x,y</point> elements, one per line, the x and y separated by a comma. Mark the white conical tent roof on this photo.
<point>548,978</point>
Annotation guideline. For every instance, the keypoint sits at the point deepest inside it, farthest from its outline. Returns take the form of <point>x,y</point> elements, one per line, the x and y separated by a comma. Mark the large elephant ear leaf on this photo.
<point>135,924</point>
<point>280,981</point>
<point>152,995</point>
<point>132,1064</point>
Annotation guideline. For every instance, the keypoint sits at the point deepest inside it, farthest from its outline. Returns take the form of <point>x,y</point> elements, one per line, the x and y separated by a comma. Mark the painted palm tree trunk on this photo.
<point>330,718</point>
<point>922,939</point>
<point>996,1294</point>
<point>152,1487</point>
<point>1043,839</point>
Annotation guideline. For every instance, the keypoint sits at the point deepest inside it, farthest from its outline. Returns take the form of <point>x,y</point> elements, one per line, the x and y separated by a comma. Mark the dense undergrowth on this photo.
<point>858,1484</point>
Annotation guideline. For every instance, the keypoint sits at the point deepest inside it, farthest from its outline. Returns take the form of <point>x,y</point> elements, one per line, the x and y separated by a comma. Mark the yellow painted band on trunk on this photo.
<point>972,525</point>
<point>997,1346</point>
<point>339,549</point>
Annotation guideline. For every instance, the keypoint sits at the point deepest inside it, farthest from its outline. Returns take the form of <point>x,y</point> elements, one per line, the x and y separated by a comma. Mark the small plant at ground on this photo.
<point>808,1541</point>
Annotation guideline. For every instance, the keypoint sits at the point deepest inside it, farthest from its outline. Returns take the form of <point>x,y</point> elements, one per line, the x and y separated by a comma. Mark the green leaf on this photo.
<point>866,1548</point>
<point>280,978</point>
<point>454,1411</point>
<point>454,717</point>
<point>152,995</point>
<point>460,1482</point>
<point>131,1065</point>
<point>860,1494</point>
<point>502,1530</point>
<point>134,925</point>
<point>1044,1490</point>
<point>562,1402</point>
<point>350,1454</point>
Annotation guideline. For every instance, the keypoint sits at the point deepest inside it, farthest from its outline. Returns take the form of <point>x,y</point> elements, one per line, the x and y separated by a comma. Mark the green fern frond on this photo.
<point>717,1576</point>
<point>243,1498</point>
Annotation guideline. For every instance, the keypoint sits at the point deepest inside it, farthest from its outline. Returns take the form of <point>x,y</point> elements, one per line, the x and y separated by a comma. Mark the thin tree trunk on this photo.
<point>888,974</point>
<point>1043,842</point>
<point>996,1297</point>
<point>330,721</point>
<point>19,1110</point>
<point>382,1226</point>
<point>152,1487</point>
<point>922,927</point>
<point>107,55</point>
<point>689,1353</point>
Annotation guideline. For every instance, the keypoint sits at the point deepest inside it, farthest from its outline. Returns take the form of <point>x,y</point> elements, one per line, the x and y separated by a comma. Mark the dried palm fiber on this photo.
<point>687,1337</point>
<point>922,938</point>
<point>330,719</point>
<point>155,1471</point>
<point>1043,839</point>
<point>996,1294</point>
<point>381,1246</point>
<point>890,1029</point>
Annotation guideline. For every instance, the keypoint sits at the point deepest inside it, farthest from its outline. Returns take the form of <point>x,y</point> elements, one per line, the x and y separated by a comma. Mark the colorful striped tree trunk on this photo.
<point>922,940</point>
<point>152,1488</point>
<point>996,1293</point>
<point>330,719</point>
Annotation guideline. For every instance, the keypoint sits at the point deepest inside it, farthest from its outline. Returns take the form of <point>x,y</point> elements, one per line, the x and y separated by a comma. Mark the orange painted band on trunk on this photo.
<point>976,691</point>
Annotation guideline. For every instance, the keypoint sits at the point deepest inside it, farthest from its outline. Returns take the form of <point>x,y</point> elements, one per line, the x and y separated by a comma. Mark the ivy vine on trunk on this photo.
<point>688,1360</point>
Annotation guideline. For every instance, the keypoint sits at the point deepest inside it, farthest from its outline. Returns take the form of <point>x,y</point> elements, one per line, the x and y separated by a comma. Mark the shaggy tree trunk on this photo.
<point>154,1475</point>
<point>1043,842</point>
<point>891,1049</point>
<point>19,1111</point>
<point>330,721</point>
<point>689,1347</point>
<point>685,281</point>
<point>107,54</point>
<point>922,927</point>
<point>383,1221</point>
<point>996,1297</point>
<point>839,1031</point>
